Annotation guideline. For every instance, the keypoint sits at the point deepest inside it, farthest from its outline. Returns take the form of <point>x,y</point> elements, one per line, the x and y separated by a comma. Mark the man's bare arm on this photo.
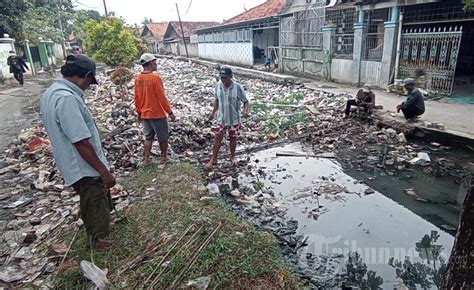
<point>214,109</point>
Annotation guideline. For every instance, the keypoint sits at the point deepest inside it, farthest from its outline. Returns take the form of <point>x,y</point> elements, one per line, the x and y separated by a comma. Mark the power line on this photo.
<point>87,6</point>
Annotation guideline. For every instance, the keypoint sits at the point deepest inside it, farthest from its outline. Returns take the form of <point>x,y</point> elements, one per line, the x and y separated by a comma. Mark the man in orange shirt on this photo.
<point>152,107</point>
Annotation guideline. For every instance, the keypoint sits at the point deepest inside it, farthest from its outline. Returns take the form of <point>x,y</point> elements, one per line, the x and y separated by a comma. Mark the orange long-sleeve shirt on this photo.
<point>150,97</point>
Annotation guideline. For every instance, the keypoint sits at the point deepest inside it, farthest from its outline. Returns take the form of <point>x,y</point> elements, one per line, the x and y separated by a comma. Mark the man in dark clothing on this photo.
<point>364,98</point>
<point>414,106</point>
<point>17,66</point>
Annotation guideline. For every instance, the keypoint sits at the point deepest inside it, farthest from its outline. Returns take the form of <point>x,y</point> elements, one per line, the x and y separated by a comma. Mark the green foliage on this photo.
<point>111,42</point>
<point>468,4</point>
<point>13,14</point>
<point>78,25</point>
<point>280,124</point>
<point>292,99</point>
<point>42,22</point>
<point>427,273</point>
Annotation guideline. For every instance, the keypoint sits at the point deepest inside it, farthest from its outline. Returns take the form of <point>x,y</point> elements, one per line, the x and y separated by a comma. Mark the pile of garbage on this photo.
<point>37,208</point>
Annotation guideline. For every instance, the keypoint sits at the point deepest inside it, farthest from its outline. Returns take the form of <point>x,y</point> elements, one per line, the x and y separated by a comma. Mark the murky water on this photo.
<point>339,214</point>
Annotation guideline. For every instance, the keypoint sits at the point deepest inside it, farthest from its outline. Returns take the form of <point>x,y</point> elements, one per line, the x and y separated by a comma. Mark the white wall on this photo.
<point>236,53</point>
<point>58,51</point>
<point>341,70</point>
<point>4,68</point>
<point>193,49</point>
<point>371,73</point>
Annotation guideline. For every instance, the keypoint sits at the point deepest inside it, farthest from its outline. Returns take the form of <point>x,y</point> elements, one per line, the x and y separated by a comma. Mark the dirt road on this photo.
<point>19,106</point>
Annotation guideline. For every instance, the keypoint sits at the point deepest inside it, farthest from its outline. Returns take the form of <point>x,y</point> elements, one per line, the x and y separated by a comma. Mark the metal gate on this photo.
<point>434,51</point>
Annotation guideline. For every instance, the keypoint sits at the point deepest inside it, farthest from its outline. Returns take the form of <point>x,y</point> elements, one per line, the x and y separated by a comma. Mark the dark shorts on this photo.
<point>156,127</point>
<point>95,205</point>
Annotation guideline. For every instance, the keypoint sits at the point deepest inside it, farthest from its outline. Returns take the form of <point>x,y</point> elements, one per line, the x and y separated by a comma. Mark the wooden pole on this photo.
<point>182,31</point>
<point>460,272</point>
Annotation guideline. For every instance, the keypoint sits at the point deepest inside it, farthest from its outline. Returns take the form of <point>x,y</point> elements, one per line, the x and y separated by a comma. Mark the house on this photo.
<point>395,39</point>
<point>246,38</point>
<point>167,37</point>
<point>378,41</point>
<point>174,42</point>
<point>154,34</point>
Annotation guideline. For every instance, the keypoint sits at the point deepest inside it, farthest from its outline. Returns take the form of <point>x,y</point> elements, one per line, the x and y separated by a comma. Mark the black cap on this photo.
<point>225,71</point>
<point>83,61</point>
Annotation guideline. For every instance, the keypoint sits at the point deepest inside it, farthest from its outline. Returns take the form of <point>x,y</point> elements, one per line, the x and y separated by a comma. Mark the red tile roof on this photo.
<point>158,29</point>
<point>268,9</point>
<point>189,27</point>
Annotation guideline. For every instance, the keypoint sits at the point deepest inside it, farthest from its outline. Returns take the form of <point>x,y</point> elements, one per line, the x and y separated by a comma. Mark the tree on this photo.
<point>468,4</point>
<point>45,18</point>
<point>460,270</point>
<point>110,42</point>
<point>12,16</point>
<point>147,21</point>
<point>78,26</point>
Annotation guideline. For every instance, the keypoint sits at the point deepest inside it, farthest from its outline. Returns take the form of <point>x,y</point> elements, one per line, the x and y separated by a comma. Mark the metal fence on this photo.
<point>434,51</point>
<point>303,29</point>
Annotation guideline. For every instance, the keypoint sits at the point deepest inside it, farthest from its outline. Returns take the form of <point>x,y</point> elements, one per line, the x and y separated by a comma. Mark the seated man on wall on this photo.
<point>364,98</point>
<point>414,106</point>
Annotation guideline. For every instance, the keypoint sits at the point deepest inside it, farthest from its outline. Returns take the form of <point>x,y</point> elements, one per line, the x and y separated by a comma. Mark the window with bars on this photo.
<point>441,11</point>
<point>343,38</point>
<point>373,43</point>
<point>227,36</point>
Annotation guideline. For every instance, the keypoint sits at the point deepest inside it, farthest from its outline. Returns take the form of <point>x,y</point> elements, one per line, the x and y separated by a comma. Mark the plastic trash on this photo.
<point>95,274</point>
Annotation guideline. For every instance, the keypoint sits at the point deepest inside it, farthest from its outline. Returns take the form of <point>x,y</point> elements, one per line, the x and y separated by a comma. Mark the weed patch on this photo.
<point>236,253</point>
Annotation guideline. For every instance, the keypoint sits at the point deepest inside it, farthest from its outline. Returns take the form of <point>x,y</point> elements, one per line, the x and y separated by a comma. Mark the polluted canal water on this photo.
<point>337,214</point>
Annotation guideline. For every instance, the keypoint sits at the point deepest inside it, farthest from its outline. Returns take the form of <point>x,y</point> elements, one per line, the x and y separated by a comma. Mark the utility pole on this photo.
<point>63,46</point>
<point>105,8</point>
<point>182,31</point>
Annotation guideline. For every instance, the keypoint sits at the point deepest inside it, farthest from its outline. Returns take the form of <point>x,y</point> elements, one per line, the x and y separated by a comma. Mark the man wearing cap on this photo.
<point>17,66</point>
<point>364,98</point>
<point>414,106</point>
<point>229,96</point>
<point>152,107</point>
<point>77,147</point>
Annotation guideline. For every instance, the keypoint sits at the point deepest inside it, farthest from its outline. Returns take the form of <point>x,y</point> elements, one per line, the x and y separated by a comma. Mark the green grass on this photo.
<point>239,256</point>
<point>281,124</point>
<point>292,99</point>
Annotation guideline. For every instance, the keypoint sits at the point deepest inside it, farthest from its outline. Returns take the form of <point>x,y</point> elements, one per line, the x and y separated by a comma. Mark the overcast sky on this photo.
<point>134,11</point>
